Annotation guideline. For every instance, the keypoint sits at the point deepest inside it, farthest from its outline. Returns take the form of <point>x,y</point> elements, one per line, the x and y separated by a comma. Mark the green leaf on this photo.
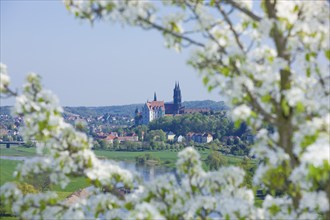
<point>212,3</point>
<point>225,71</point>
<point>327,54</point>
<point>285,107</point>
<point>110,7</point>
<point>308,72</point>
<point>307,57</point>
<point>175,27</point>
<point>300,107</point>
<point>235,101</point>
<point>296,8</point>
<point>129,206</point>
<point>245,24</point>
<point>266,98</point>
<point>237,124</point>
<point>253,114</point>
<point>206,80</point>
<point>274,209</point>
<point>308,140</point>
<point>210,88</point>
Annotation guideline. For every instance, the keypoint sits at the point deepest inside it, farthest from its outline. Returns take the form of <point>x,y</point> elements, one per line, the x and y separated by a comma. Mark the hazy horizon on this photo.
<point>97,106</point>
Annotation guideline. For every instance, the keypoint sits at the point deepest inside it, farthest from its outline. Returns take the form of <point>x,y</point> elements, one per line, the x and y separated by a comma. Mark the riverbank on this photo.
<point>167,158</point>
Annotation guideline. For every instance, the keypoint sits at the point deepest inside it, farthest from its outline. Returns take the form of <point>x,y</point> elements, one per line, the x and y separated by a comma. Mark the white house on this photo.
<point>152,110</point>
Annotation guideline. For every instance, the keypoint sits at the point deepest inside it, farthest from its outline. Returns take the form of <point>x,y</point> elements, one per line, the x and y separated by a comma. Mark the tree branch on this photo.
<point>242,9</point>
<point>258,107</point>
<point>206,29</point>
<point>231,27</point>
<point>167,31</point>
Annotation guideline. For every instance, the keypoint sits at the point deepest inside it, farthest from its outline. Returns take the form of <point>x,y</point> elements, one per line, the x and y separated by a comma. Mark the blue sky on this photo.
<point>91,66</point>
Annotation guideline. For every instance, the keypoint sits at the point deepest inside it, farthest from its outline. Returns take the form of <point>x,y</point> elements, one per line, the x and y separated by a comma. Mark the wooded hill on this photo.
<point>127,109</point>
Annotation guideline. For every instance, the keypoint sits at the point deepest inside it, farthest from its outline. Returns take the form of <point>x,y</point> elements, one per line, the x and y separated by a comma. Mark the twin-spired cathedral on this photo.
<point>157,109</point>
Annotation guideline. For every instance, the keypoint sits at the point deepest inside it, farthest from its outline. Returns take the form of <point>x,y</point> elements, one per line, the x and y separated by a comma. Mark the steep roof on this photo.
<point>110,137</point>
<point>156,104</point>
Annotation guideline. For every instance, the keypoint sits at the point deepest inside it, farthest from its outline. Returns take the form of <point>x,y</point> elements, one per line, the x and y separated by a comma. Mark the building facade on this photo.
<point>152,110</point>
<point>157,109</point>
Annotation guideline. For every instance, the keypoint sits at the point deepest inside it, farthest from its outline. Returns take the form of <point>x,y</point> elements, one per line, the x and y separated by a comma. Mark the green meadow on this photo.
<point>16,150</point>
<point>167,157</point>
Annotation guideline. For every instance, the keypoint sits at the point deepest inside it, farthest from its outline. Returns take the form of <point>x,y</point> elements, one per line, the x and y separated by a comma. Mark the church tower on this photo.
<point>155,97</point>
<point>177,97</point>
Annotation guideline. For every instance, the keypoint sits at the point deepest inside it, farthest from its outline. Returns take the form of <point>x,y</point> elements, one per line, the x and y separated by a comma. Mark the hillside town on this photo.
<point>158,125</point>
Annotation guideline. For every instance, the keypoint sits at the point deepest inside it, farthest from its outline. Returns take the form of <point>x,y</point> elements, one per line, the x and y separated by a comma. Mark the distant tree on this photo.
<point>215,160</point>
<point>229,141</point>
<point>96,145</point>
<point>29,143</point>
<point>241,130</point>
<point>116,144</point>
<point>102,143</point>
<point>249,170</point>
<point>120,131</point>
<point>156,135</point>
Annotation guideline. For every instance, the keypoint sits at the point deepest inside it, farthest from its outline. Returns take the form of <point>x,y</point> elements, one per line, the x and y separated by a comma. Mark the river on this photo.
<point>147,172</point>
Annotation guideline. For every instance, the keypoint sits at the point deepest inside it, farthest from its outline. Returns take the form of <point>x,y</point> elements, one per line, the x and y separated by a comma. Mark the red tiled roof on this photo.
<point>110,137</point>
<point>156,104</point>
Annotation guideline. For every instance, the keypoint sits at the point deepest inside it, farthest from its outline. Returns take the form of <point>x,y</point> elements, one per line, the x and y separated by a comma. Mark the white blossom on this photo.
<point>241,112</point>
<point>314,200</point>
<point>4,78</point>
<point>318,152</point>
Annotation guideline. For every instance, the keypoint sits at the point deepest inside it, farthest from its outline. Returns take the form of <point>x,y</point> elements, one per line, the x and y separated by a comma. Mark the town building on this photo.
<point>132,138</point>
<point>199,137</point>
<point>207,138</point>
<point>110,138</point>
<point>170,136</point>
<point>179,138</point>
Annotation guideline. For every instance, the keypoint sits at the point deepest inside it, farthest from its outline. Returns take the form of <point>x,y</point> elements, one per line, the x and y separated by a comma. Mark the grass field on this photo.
<point>168,158</point>
<point>16,150</point>
<point>7,168</point>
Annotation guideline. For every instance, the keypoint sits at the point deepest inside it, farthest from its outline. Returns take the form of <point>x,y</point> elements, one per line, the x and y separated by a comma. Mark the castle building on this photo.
<point>152,110</point>
<point>157,109</point>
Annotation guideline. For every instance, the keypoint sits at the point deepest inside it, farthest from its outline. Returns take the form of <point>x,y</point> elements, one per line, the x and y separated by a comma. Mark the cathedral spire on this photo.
<point>155,96</point>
